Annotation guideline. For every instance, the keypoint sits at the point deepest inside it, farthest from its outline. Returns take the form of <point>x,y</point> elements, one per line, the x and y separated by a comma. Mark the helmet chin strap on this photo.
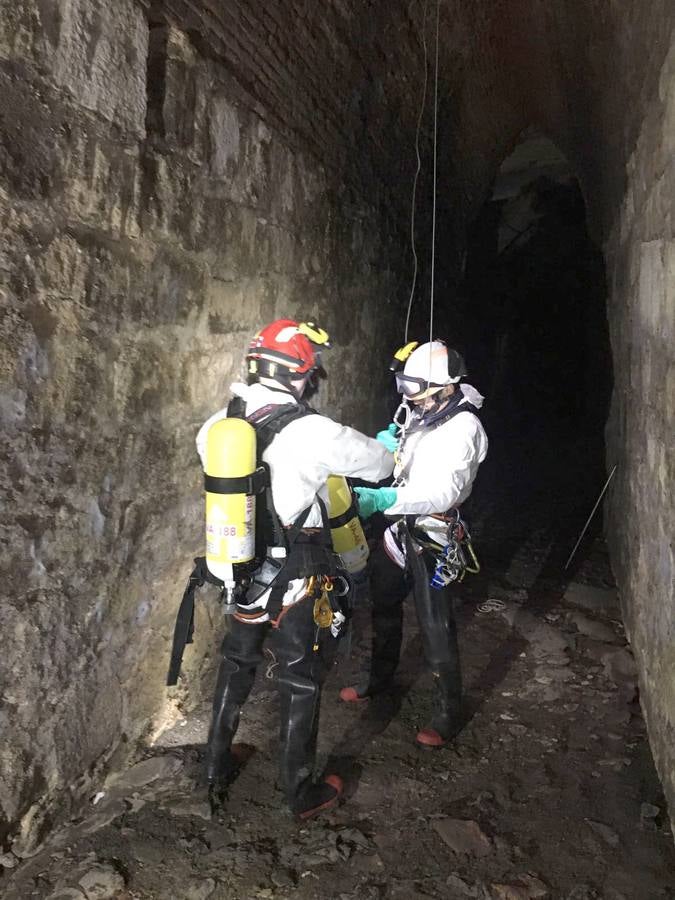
<point>295,387</point>
<point>298,386</point>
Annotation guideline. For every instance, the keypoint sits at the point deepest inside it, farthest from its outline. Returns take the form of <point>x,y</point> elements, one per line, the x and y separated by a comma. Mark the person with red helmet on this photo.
<point>301,448</point>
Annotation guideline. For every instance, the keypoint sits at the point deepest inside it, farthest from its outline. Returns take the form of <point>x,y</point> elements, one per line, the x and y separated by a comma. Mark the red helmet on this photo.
<point>286,348</point>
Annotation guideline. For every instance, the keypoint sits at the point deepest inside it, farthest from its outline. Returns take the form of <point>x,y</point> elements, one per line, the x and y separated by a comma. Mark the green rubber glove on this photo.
<point>388,437</point>
<point>372,500</point>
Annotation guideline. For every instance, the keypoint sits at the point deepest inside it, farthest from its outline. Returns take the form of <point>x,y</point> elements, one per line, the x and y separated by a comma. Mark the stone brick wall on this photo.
<point>609,100</point>
<point>335,78</point>
<point>149,227</point>
<point>641,430</point>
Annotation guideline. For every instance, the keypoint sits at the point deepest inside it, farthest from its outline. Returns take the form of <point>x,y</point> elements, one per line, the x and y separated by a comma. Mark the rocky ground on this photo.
<point>549,790</point>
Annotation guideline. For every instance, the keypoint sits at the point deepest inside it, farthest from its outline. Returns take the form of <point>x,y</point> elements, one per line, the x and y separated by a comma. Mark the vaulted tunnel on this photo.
<point>173,173</point>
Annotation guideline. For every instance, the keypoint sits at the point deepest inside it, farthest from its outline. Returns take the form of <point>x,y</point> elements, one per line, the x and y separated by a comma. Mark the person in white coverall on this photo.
<point>301,448</point>
<point>442,446</point>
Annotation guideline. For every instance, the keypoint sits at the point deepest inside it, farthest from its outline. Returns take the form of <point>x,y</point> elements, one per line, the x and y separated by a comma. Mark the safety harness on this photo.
<point>455,556</point>
<point>430,423</point>
<point>307,554</point>
<point>299,554</point>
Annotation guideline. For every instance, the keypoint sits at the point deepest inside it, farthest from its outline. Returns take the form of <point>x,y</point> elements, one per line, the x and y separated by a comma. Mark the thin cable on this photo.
<point>588,520</point>
<point>417,171</point>
<point>433,217</point>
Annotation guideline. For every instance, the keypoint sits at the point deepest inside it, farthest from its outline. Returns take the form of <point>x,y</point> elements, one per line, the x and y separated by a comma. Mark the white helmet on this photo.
<point>429,369</point>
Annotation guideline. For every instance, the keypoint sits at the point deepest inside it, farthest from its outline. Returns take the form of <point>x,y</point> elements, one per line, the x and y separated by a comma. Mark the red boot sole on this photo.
<point>351,695</point>
<point>335,782</point>
<point>430,739</point>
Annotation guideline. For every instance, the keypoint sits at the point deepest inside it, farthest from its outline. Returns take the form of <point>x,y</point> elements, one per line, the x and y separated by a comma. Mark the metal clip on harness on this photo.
<point>454,559</point>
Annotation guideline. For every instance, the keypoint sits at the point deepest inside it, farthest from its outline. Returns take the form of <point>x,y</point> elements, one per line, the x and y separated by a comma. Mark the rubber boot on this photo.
<point>388,589</point>
<point>301,673</point>
<point>447,719</point>
<point>242,651</point>
<point>436,618</point>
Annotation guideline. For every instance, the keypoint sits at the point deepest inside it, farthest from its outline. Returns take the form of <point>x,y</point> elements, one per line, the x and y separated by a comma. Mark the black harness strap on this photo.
<point>246,484</point>
<point>184,628</point>
<point>346,516</point>
<point>444,417</point>
<point>268,422</point>
<point>276,597</point>
<point>303,558</point>
<point>183,631</point>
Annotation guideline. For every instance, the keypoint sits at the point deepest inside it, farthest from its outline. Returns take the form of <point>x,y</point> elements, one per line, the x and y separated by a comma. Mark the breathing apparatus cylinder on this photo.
<point>230,513</point>
<point>349,541</point>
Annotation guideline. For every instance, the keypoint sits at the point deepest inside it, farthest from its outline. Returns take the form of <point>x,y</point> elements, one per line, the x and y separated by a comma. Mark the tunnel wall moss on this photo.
<point>152,219</point>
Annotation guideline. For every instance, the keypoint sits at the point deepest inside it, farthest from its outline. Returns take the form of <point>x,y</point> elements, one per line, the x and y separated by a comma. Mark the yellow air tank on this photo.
<point>230,517</point>
<point>349,540</point>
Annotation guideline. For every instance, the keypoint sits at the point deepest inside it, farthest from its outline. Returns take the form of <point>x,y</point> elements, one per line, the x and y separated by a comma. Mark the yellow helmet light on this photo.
<point>315,334</point>
<point>402,355</point>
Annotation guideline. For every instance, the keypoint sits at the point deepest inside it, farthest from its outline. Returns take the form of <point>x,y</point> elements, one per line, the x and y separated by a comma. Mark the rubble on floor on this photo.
<point>549,791</point>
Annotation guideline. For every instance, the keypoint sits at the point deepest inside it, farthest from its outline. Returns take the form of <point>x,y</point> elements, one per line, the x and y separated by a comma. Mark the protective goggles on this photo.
<point>410,387</point>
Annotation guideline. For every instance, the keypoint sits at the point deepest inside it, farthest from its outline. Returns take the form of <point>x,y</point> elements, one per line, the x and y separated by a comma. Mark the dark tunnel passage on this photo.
<point>175,174</point>
<point>538,296</point>
<point>531,313</point>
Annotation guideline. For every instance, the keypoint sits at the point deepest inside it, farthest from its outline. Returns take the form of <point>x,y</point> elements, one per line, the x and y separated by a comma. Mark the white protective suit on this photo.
<point>301,457</point>
<point>436,469</point>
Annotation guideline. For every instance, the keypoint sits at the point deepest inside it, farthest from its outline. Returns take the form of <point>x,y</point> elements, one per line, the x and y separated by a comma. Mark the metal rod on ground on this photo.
<point>588,520</point>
